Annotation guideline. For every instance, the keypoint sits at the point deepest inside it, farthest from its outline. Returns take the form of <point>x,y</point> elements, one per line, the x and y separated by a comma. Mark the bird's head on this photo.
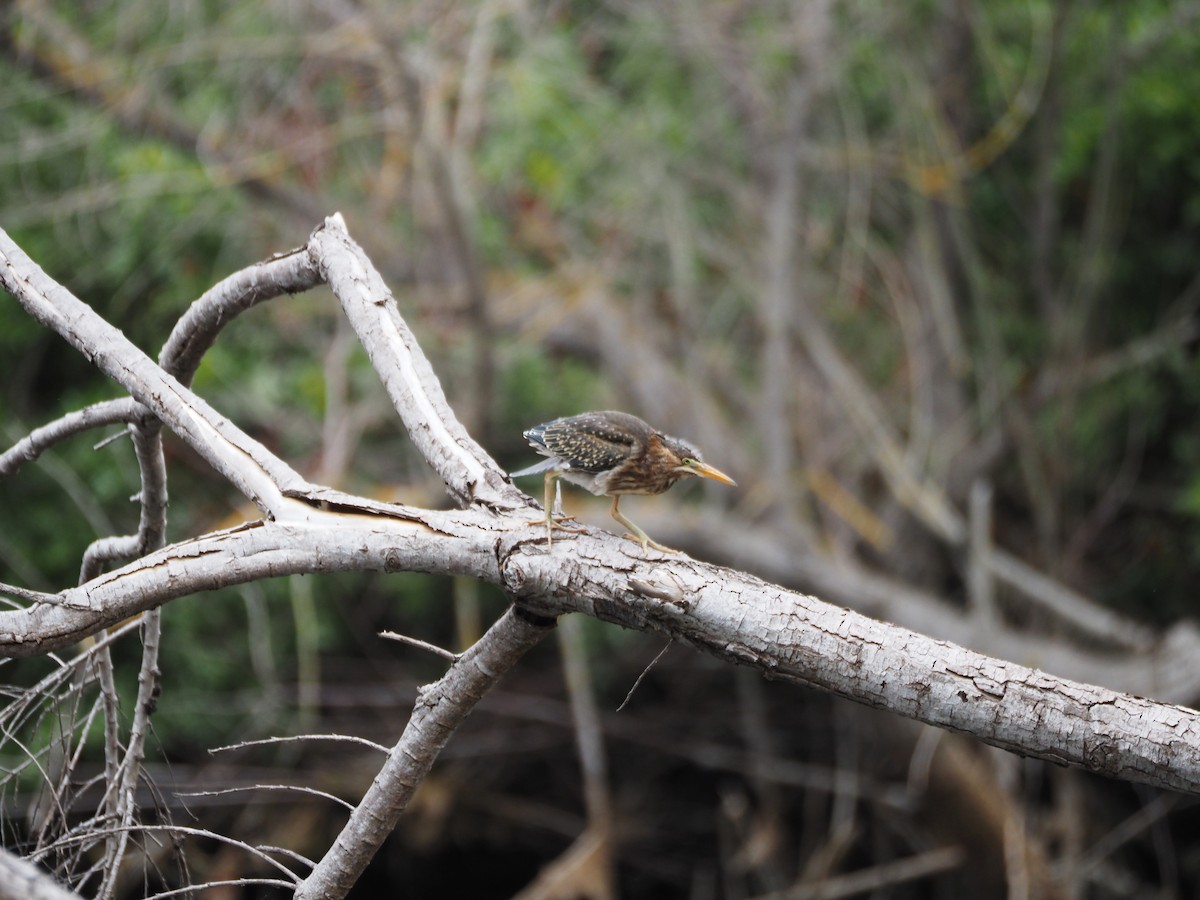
<point>690,463</point>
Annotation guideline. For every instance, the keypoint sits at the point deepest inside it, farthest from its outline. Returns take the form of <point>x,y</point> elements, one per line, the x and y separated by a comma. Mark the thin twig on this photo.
<point>645,672</point>
<point>218,792</point>
<point>235,882</point>
<point>420,644</point>
<point>111,439</point>
<point>348,738</point>
<point>91,835</point>
<point>284,851</point>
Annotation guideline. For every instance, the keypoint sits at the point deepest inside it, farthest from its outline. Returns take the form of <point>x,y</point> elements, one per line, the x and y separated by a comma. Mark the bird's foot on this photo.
<point>553,524</point>
<point>650,542</point>
<point>556,523</point>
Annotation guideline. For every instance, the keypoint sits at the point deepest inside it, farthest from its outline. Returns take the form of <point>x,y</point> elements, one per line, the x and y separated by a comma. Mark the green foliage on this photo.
<point>141,214</point>
<point>550,121</point>
<point>586,123</point>
<point>536,389</point>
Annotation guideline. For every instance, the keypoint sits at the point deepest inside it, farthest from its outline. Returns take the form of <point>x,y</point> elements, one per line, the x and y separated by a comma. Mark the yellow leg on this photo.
<point>551,523</point>
<point>637,533</point>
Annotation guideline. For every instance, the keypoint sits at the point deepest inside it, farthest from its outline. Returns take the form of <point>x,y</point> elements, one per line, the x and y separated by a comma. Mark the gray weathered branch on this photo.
<point>21,880</point>
<point>729,614</point>
<point>440,709</point>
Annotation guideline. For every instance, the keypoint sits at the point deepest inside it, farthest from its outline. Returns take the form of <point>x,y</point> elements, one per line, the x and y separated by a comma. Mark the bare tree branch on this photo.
<point>38,441</point>
<point>248,465</point>
<point>440,709</point>
<point>197,329</point>
<point>798,638</point>
<point>728,614</point>
<point>471,476</point>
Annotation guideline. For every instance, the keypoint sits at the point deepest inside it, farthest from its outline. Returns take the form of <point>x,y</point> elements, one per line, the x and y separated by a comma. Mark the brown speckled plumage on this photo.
<point>612,453</point>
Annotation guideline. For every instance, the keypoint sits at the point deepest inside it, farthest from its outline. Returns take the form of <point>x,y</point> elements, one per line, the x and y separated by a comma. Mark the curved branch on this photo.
<point>470,474</point>
<point>197,329</point>
<point>41,439</point>
<point>370,537</point>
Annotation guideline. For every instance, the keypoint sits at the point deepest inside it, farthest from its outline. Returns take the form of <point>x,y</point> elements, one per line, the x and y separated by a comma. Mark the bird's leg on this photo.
<point>553,521</point>
<point>637,533</point>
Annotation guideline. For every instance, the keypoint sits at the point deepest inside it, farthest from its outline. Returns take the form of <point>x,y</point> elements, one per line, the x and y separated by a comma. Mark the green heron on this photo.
<point>612,454</point>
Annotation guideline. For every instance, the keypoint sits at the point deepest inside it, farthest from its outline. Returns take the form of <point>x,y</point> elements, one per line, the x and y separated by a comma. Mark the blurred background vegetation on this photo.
<point>866,255</point>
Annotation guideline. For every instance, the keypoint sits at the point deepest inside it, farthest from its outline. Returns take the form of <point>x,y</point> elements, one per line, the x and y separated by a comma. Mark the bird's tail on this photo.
<point>538,468</point>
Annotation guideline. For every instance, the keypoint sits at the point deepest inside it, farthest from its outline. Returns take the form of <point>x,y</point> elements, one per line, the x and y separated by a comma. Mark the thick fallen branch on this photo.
<point>724,612</point>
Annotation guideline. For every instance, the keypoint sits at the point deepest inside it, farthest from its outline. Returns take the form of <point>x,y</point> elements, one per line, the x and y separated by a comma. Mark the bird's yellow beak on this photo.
<point>695,467</point>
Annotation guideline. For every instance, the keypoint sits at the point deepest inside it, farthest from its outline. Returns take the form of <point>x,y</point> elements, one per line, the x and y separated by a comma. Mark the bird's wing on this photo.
<point>594,442</point>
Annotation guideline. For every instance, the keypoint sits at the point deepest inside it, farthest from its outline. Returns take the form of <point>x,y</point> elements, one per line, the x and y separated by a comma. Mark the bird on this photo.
<point>612,454</point>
